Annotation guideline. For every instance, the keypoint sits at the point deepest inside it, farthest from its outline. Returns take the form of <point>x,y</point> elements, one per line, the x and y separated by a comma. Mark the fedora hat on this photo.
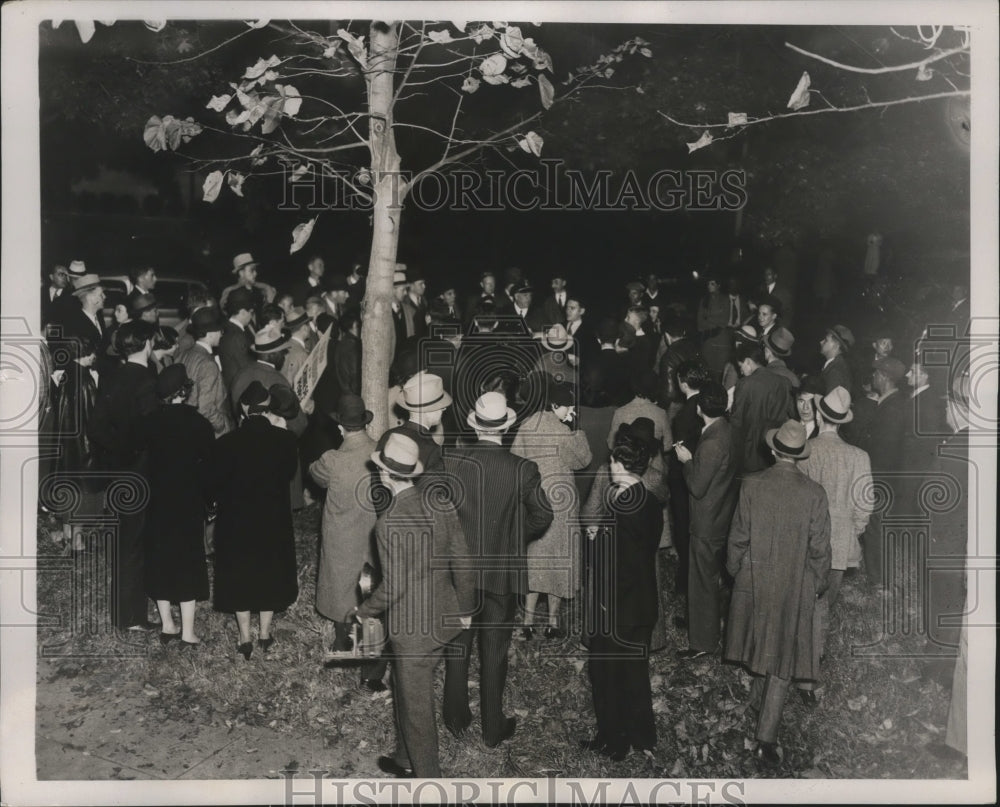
<point>399,456</point>
<point>350,412</point>
<point>491,413</point>
<point>641,430</point>
<point>399,278</point>
<point>556,338</point>
<point>243,260</point>
<point>746,333</point>
<point>142,302</point>
<point>295,318</point>
<point>790,440</point>
<point>892,368</point>
<point>205,320</point>
<point>172,379</point>
<point>836,406</point>
<point>524,287</point>
<point>77,268</point>
<point>85,283</point>
<point>424,392</point>
<point>780,341</point>
<point>843,335</point>
<point>337,283</point>
<point>267,340</point>
<point>254,397</point>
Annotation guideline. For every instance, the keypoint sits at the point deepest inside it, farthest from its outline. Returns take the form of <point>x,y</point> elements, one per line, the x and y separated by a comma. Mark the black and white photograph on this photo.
<point>474,402</point>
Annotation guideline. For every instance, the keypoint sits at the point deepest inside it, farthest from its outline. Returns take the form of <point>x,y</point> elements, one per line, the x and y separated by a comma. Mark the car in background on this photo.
<point>171,293</point>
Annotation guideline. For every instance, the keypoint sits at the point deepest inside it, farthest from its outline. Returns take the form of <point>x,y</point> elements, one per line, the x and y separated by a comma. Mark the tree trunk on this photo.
<point>376,326</point>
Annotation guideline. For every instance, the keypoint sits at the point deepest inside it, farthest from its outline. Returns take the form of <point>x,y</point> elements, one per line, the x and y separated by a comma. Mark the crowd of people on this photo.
<point>543,448</point>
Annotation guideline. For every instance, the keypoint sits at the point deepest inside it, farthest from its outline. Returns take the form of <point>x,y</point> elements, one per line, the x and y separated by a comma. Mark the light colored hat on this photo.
<point>780,340</point>
<point>243,260</point>
<point>424,392</point>
<point>399,278</point>
<point>789,440</point>
<point>268,340</point>
<point>491,413</point>
<point>85,283</point>
<point>400,456</point>
<point>77,268</point>
<point>556,338</point>
<point>836,406</point>
<point>295,318</point>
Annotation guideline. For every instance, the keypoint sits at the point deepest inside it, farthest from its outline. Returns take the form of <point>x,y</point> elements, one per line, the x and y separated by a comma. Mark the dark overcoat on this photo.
<point>179,442</point>
<point>255,568</point>
<point>779,554</point>
<point>762,401</point>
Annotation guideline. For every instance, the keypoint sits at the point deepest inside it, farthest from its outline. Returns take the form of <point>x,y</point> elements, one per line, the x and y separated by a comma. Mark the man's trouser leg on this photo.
<point>772,701</point>
<point>703,593</point>
<point>413,698</point>
<point>494,623</point>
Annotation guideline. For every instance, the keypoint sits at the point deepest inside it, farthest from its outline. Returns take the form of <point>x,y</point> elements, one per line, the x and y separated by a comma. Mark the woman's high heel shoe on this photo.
<point>265,644</point>
<point>245,649</point>
<point>166,638</point>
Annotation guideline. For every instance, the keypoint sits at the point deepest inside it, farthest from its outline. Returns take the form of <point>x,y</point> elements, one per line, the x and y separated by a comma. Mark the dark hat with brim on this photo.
<point>172,379</point>
<point>843,335</point>
<point>780,341</point>
<point>143,302</point>
<point>270,342</point>
<point>789,440</point>
<point>641,430</point>
<point>350,412</point>
<point>299,317</point>
<point>337,283</point>
<point>284,403</point>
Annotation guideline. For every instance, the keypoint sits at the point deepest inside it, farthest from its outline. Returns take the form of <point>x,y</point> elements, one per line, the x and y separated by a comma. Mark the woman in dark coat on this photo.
<point>255,566</point>
<point>179,441</point>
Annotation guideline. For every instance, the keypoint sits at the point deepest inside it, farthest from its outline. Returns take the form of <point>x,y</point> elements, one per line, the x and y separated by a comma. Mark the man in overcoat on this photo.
<point>427,596</point>
<point>208,393</point>
<point>779,555</point>
<point>237,336</point>
<point>762,401</point>
<point>348,520</point>
<point>502,507</point>
<point>710,474</point>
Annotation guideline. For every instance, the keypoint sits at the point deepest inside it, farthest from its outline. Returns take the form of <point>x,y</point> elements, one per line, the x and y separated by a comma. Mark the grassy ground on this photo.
<point>875,717</point>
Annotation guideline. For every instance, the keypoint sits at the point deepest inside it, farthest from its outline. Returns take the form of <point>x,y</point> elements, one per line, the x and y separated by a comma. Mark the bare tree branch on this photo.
<point>801,113</point>
<point>879,70</point>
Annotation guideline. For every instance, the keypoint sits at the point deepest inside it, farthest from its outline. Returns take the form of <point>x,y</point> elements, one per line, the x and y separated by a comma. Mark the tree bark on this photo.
<point>377,334</point>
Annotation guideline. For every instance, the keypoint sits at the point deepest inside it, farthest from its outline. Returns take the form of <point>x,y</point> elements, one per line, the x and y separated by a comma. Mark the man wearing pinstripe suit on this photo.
<point>501,507</point>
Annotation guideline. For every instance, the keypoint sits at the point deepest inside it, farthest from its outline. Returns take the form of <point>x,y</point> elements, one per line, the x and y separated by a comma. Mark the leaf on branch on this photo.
<point>255,158</point>
<point>260,67</point>
<point>292,100</point>
<point>235,180</point>
<point>483,33</point>
<point>737,119</point>
<point>538,56</point>
<point>511,42</point>
<point>440,36</point>
<point>609,72</point>
<point>705,140</point>
<point>924,73</point>
<point>646,52</point>
<point>800,98</point>
<point>169,132</point>
<point>460,24</point>
<point>219,102</point>
<point>153,134</point>
<point>546,91</point>
<point>331,50</point>
<point>499,26</point>
<point>471,84</point>
<point>155,25</point>
<point>234,118</point>
<point>492,69</point>
<point>532,144</point>
<point>212,186</point>
<point>518,67</point>
<point>299,172</point>
<point>300,235</point>
<point>85,29</point>
<point>256,23</point>
<point>524,81</point>
<point>356,45</point>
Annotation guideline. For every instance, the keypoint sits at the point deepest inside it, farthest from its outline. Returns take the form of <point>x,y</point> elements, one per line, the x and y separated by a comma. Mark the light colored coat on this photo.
<point>779,553</point>
<point>294,359</point>
<point>348,520</point>
<point>655,476</point>
<point>208,395</point>
<point>554,559</point>
<point>844,471</point>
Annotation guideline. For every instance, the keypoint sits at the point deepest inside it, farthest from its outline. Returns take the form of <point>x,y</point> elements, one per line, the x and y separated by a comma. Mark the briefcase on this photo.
<point>366,646</point>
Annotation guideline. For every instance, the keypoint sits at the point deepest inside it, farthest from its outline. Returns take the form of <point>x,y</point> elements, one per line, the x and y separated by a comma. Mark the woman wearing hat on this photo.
<point>179,442</point>
<point>558,450</point>
<point>255,565</point>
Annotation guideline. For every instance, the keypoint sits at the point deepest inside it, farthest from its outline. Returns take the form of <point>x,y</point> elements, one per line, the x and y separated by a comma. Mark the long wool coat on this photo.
<point>554,559</point>
<point>842,469</point>
<point>180,443</point>
<point>348,520</point>
<point>255,568</point>
<point>779,553</point>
